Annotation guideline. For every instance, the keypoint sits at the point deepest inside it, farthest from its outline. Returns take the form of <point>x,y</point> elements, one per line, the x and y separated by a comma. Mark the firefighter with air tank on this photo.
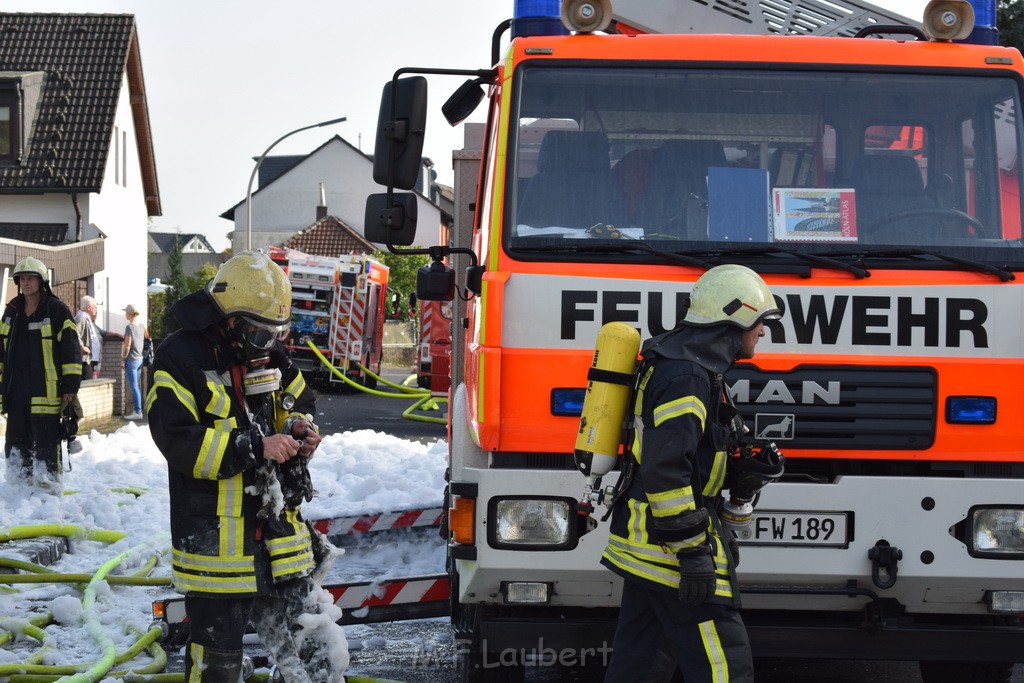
<point>671,537</point>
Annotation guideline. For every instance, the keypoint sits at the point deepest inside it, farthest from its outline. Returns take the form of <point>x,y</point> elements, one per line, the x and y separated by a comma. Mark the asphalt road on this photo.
<point>352,410</point>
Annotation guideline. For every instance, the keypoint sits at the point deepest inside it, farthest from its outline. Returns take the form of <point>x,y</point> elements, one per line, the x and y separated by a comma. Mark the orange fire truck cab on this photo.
<point>874,183</point>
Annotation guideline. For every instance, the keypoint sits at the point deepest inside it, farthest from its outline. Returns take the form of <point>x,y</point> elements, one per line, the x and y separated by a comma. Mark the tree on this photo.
<point>199,278</point>
<point>178,287</point>
<point>160,303</point>
<point>1010,19</point>
<point>401,279</point>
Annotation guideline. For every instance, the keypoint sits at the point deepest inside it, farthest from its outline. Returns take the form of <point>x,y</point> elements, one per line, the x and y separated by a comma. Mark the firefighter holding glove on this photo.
<point>666,541</point>
<point>229,412</point>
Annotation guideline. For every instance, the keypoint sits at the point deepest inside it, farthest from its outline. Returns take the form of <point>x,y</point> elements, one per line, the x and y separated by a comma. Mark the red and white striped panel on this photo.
<point>341,335</point>
<point>342,526</point>
<point>392,592</point>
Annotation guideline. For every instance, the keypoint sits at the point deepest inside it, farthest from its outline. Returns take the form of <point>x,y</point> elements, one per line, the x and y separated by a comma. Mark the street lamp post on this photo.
<point>248,193</point>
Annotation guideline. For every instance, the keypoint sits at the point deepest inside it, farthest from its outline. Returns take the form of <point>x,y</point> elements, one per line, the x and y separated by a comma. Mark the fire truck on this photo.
<point>338,303</point>
<point>868,167</point>
<point>433,351</point>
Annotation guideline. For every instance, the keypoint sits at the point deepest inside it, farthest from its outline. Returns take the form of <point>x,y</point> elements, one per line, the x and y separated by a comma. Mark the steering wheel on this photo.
<point>940,212</point>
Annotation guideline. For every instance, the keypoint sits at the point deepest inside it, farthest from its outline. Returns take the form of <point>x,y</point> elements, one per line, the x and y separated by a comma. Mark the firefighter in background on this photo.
<point>237,474</point>
<point>40,373</point>
<point>679,592</point>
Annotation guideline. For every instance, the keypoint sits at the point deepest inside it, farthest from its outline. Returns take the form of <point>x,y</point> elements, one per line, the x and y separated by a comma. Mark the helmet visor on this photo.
<point>259,335</point>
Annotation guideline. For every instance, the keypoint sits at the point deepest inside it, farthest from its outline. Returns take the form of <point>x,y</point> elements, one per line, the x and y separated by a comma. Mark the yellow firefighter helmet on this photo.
<point>31,266</point>
<point>731,294</point>
<point>252,286</point>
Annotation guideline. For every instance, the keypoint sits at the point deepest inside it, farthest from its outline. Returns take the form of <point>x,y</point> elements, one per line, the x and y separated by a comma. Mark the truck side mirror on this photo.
<point>463,101</point>
<point>435,282</point>
<point>395,225</point>
<point>400,138</point>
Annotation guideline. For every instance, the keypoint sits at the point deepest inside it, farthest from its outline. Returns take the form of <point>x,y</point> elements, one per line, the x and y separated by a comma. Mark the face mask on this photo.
<point>257,338</point>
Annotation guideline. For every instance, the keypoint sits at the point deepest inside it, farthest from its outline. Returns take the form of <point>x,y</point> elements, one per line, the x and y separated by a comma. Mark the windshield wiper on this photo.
<point>620,246</point>
<point>966,264</point>
<point>816,259</point>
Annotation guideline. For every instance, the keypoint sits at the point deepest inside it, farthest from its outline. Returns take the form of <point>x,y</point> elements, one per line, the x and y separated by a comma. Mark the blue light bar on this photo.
<point>984,32</point>
<point>975,410</point>
<point>539,18</point>
<point>567,402</point>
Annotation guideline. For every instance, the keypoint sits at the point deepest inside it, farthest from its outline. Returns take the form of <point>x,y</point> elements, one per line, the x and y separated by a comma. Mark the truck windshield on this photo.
<point>697,160</point>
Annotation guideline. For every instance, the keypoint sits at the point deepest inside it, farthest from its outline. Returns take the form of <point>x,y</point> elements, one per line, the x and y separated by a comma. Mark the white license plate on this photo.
<point>821,529</point>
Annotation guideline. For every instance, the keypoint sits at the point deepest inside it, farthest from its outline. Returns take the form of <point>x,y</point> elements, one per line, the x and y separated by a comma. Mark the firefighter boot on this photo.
<point>210,665</point>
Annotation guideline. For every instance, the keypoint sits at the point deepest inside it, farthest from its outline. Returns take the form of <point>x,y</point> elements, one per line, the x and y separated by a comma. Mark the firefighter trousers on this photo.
<point>216,627</point>
<point>32,439</point>
<point>709,642</point>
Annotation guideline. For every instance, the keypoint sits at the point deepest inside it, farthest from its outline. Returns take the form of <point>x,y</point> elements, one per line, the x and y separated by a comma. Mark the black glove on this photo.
<point>696,575</point>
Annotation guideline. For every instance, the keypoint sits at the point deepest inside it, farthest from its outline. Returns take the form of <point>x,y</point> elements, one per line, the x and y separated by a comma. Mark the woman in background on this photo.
<point>131,357</point>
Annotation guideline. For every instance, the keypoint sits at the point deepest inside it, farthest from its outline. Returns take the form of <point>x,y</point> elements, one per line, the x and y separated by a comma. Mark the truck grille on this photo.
<point>843,408</point>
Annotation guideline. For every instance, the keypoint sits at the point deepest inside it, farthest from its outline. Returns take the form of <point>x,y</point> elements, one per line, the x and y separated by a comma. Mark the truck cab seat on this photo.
<point>573,186</point>
<point>676,203</point>
<point>886,185</point>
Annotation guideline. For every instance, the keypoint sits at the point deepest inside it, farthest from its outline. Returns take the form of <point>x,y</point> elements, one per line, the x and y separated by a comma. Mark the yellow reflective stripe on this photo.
<point>49,367</point>
<point>297,386</point>
<point>229,496</point>
<point>220,403</point>
<point>5,327</point>
<point>638,409</point>
<point>163,379</point>
<point>45,405</point>
<point>225,425</point>
<point>635,524</point>
<point>232,534</point>
<point>663,576</point>
<point>300,563</point>
<point>654,552</point>
<point>717,475</point>
<point>714,651</point>
<point>212,564</point>
<point>211,453</point>
<point>687,405</point>
<point>213,584</point>
<point>671,502</point>
<point>71,369</point>
<point>196,652</point>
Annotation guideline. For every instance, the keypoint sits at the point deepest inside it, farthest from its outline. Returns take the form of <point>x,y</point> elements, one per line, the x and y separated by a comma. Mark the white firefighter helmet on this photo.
<point>252,286</point>
<point>31,266</point>
<point>731,294</point>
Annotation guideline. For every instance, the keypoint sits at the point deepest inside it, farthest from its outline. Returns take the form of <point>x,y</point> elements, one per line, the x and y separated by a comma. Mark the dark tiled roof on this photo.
<point>329,237</point>
<point>85,57</point>
<point>38,233</point>
<point>165,240</point>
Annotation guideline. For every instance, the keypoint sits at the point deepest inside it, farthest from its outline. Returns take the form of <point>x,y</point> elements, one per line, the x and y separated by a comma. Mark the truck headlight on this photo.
<point>532,523</point>
<point>997,532</point>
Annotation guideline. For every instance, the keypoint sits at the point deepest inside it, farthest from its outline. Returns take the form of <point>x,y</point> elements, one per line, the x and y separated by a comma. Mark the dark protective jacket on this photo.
<point>231,531</point>
<point>39,355</point>
<point>680,446</point>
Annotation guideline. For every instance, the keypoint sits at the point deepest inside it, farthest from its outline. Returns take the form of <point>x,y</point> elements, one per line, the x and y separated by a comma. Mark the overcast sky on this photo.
<point>225,78</point>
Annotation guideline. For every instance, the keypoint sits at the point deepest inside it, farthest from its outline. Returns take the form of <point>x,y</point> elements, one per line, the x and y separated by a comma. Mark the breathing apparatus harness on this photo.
<point>751,465</point>
<point>269,408</point>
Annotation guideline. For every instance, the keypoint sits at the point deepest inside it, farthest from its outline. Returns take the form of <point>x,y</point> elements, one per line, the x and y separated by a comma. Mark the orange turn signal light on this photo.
<point>460,519</point>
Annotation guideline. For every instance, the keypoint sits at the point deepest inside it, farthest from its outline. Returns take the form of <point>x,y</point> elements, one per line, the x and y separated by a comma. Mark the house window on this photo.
<point>10,132</point>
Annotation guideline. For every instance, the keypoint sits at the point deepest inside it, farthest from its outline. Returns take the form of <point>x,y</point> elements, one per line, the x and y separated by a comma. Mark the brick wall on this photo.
<point>97,397</point>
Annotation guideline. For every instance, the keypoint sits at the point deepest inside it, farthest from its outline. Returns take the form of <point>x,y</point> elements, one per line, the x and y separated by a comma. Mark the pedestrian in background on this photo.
<point>88,336</point>
<point>131,359</point>
<point>40,373</point>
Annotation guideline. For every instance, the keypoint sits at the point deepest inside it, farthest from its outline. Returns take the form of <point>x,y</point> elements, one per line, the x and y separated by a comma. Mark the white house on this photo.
<point>289,193</point>
<point>77,169</point>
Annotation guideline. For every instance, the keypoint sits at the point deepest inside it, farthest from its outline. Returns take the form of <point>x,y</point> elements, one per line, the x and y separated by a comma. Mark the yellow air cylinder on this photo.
<point>610,381</point>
